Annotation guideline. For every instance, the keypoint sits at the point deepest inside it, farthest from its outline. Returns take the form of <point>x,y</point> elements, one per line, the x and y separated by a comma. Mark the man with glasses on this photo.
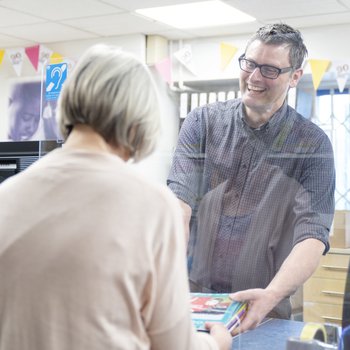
<point>256,183</point>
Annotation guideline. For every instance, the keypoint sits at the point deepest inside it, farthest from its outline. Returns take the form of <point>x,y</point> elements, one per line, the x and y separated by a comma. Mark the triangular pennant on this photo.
<point>44,57</point>
<point>342,72</point>
<point>56,58</point>
<point>70,64</point>
<point>16,58</point>
<point>342,82</point>
<point>318,68</point>
<point>33,54</point>
<point>184,56</point>
<point>164,69</point>
<point>227,52</point>
<point>2,54</point>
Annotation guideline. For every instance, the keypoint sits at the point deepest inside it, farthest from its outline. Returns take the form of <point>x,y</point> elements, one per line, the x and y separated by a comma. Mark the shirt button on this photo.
<point>244,166</point>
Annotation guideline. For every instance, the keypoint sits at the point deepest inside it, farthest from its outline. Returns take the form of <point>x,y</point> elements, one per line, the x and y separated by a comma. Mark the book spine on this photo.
<point>236,320</point>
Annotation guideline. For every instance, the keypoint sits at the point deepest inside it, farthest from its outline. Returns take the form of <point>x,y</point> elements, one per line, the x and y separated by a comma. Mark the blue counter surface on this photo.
<point>272,334</point>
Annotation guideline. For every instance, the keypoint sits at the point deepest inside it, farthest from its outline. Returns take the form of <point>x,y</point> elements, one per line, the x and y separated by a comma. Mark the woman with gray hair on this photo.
<point>92,256</point>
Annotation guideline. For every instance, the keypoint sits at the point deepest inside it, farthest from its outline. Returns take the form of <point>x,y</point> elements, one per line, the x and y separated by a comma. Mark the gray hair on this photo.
<point>113,93</point>
<point>283,34</point>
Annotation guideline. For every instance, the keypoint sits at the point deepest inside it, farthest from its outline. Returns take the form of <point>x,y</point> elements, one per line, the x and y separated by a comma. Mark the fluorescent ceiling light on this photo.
<point>197,14</point>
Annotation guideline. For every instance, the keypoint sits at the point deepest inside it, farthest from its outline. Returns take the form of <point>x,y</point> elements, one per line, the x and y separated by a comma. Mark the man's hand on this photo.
<point>260,303</point>
<point>295,270</point>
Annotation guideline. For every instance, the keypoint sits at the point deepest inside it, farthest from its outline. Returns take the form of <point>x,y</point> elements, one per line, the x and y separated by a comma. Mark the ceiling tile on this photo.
<point>13,18</point>
<point>118,24</point>
<point>346,3</point>
<point>278,9</point>
<point>320,20</point>
<point>62,9</point>
<point>9,41</point>
<point>47,32</point>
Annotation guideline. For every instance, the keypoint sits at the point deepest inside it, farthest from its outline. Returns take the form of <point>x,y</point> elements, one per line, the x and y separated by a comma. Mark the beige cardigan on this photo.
<point>92,257</point>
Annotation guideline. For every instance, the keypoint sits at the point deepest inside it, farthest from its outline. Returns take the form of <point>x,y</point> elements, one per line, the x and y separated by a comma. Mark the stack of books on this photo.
<point>216,307</point>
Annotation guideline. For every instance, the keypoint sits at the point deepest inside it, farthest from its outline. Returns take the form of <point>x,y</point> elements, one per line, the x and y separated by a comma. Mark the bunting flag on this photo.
<point>44,57</point>
<point>318,68</point>
<point>164,69</point>
<point>342,72</point>
<point>70,64</point>
<point>184,56</point>
<point>227,53</point>
<point>2,54</point>
<point>33,54</point>
<point>16,58</point>
<point>56,58</point>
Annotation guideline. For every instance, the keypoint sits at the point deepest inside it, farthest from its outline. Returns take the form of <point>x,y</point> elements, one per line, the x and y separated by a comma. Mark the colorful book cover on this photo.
<point>216,307</point>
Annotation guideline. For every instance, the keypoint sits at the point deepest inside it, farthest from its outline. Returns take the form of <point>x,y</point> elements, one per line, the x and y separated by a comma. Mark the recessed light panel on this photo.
<point>197,14</point>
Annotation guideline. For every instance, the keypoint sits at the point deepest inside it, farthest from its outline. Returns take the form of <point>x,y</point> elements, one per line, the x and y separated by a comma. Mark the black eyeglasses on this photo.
<point>266,71</point>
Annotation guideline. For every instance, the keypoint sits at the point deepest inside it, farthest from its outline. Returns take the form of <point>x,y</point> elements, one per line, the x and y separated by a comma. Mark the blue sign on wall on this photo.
<point>56,74</point>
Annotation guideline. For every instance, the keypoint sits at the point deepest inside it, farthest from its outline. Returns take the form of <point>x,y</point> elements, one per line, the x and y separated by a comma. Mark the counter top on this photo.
<point>272,334</point>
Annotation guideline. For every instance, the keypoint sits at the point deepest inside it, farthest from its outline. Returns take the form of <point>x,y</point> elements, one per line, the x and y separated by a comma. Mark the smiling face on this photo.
<point>261,96</point>
<point>24,111</point>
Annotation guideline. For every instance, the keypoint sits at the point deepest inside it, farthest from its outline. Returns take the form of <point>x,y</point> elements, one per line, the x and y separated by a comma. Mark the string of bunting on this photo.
<point>40,55</point>
<point>318,67</point>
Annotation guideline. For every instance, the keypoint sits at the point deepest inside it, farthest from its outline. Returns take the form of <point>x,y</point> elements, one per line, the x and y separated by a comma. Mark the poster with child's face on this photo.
<point>31,117</point>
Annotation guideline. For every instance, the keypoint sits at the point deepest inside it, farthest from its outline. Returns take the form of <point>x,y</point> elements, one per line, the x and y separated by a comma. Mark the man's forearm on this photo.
<point>297,268</point>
